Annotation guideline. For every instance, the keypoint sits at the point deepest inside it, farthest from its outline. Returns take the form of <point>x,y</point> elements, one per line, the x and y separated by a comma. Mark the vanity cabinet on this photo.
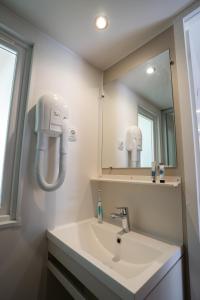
<point>171,286</point>
<point>81,285</point>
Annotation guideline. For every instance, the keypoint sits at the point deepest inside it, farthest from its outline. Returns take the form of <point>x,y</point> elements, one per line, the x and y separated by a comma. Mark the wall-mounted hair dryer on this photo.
<point>51,121</point>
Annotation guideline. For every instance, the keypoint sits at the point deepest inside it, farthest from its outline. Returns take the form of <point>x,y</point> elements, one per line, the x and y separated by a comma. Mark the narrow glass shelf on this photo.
<point>170,181</point>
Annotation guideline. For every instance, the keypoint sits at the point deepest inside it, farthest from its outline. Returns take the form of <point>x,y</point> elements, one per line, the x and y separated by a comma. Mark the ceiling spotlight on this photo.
<point>101,22</point>
<point>150,70</point>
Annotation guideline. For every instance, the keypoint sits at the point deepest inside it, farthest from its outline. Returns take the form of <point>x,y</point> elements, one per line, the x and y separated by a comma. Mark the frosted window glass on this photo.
<point>147,153</point>
<point>7,74</point>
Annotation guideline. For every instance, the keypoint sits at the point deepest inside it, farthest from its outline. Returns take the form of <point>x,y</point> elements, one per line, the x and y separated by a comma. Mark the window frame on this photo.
<point>165,140</point>
<point>9,210</point>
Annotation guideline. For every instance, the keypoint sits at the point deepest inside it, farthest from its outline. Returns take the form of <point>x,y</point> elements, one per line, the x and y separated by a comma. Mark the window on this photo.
<point>7,71</point>
<point>14,62</point>
<point>147,123</point>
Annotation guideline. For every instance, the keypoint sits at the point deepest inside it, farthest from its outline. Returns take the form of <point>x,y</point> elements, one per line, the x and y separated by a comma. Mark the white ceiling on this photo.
<point>71,22</point>
<point>155,88</point>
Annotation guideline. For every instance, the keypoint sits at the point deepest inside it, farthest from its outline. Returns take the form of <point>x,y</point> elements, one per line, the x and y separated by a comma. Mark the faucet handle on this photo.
<point>123,210</point>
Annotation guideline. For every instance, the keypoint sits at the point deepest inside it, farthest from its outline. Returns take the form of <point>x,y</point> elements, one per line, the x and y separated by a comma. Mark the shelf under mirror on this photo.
<point>170,181</point>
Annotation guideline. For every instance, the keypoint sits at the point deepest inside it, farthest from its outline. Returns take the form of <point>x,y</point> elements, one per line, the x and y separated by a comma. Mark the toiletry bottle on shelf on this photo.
<point>99,208</point>
<point>153,171</point>
<point>162,172</point>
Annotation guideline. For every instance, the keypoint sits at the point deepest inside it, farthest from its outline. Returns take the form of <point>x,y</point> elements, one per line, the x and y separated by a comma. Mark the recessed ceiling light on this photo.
<point>101,22</point>
<point>150,70</point>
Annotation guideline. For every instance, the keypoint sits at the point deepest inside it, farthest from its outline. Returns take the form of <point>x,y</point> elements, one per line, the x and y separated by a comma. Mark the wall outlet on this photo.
<point>72,135</point>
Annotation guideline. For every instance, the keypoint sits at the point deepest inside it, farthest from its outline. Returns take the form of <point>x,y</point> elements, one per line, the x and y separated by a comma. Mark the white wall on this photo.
<point>23,250</point>
<point>120,110</point>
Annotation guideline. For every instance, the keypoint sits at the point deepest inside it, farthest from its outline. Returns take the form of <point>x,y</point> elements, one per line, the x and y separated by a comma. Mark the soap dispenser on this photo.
<point>99,208</point>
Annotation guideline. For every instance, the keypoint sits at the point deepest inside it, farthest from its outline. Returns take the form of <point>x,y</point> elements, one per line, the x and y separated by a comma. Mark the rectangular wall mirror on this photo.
<point>138,117</point>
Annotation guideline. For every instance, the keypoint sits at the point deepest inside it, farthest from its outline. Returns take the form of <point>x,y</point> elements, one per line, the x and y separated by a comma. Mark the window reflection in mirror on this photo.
<point>138,117</point>
<point>146,123</point>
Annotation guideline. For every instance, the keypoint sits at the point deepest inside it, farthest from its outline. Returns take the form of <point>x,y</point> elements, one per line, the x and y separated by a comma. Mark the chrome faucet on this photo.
<point>124,216</point>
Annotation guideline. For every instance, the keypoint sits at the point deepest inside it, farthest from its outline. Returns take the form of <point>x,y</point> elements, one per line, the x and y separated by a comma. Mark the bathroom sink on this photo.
<point>132,261</point>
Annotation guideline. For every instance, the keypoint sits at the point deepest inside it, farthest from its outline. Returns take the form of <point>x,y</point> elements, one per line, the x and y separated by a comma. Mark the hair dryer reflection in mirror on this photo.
<point>134,145</point>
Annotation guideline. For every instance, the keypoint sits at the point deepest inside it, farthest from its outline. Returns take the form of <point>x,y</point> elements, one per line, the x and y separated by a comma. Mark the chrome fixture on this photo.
<point>124,216</point>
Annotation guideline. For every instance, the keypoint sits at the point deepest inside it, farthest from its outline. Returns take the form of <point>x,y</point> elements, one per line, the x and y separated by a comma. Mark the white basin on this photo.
<point>138,263</point>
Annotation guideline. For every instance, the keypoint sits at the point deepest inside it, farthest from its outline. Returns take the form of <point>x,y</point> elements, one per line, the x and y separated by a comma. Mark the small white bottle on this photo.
<point>99,208</point>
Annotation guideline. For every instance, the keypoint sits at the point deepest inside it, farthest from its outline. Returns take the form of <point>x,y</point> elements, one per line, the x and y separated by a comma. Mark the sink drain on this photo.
<point>119,240</point>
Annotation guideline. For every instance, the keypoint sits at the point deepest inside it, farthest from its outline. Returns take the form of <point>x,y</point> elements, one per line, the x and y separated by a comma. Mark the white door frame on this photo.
<point>187,21</point>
